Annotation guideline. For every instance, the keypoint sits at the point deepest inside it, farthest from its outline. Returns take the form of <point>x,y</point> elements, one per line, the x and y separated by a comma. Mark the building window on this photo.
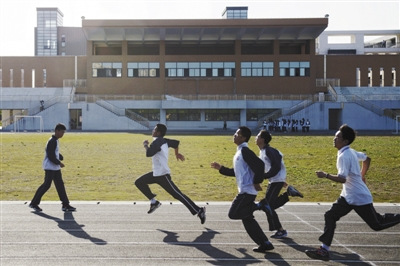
<point>47,45</point>
<point>143,69</point>
<point>183,115</point>
<point>222,115</point>
<point>149,114</point>
<point>107,70</point>
<point>257,114</point>
<point>63,41</point>
<point>200,69</point>
<point>257,69</point>
<point>294,69</point>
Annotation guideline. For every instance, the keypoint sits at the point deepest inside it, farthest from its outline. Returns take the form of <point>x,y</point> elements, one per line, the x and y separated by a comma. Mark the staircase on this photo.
<point>124,112</point>
<point>346,95</point>
<point>288,112</point>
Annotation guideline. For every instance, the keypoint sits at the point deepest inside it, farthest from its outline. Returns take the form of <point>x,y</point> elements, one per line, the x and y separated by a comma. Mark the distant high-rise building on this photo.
<point>48,19</point>
<point>52,38</point>
<point>235,12</point>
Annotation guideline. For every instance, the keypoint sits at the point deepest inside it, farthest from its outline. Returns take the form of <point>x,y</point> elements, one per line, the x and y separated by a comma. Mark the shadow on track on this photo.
<point>203,243</point>
<point>70,226</point>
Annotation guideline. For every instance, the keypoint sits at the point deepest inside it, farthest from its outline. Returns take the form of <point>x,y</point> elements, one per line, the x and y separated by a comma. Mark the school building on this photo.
<point>194,74</point>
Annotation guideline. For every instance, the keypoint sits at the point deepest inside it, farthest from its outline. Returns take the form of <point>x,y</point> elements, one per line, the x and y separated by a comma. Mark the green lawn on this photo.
<point>104,166</point>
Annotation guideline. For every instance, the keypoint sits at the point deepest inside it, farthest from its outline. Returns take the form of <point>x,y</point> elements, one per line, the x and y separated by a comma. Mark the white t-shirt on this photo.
<point>49,161</point>
<point>244,175</point>
<point>158,150</point>
<point>281,175</point>
<point>355,191</point>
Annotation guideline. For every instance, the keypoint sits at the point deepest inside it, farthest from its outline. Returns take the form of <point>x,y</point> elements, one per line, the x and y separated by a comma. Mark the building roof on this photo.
<point>204,30</point>
<point>50,9</point>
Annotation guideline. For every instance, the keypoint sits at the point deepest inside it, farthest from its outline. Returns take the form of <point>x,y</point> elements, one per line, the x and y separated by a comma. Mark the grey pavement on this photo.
<point>122,233</point>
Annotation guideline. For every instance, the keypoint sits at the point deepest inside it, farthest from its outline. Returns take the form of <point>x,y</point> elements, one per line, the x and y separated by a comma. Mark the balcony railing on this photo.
<point>76,83</point>
<point>190,97</point>
<point>333,82</point>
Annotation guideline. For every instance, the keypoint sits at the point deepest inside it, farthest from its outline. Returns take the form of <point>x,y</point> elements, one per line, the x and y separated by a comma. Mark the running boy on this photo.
<point>355,193</point>
<point>247,168</point>
<point>161,173</point>
<point>275,172</point>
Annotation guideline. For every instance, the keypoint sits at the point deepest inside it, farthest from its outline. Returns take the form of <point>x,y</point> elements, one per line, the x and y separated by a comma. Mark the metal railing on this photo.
<point>190,97</point>
<point>76,83</point>
<point>48,103</point>
<point>370,106</point>
<point>333,82</point>
<point>288,112</point>
<point>90,98</point>
<point>332,92</point>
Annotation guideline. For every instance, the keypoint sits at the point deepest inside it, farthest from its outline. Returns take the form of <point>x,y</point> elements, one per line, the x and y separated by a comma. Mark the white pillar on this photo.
<point>33,78</point>
<point>358,80</point>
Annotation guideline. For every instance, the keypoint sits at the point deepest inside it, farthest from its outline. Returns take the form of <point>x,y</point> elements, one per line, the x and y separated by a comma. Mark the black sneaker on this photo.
<point>202,215</point>
<point>318,254</point>
<point>263,248</point>
<point>294,192</point>
<point>68,208</point>
<point>154,206</point>
<point>279,234</point>
<point>35,208</point>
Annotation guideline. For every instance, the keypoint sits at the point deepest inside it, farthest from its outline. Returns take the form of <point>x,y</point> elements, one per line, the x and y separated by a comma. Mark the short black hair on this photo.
<point>348,133</point>
<point>245,132</point>
<point>60,126</point>
<point>266,136</point>
<point>162,129</point>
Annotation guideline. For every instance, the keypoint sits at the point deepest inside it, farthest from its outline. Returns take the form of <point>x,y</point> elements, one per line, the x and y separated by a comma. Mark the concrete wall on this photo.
<point>58,69</point>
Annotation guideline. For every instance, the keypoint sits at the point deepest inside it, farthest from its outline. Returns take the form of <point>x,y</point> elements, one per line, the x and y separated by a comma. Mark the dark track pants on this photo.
<point>165,181</point>
<point>242,208</point>
<point>367,212</point>
<point>59,184</point>
<point>275,201</point>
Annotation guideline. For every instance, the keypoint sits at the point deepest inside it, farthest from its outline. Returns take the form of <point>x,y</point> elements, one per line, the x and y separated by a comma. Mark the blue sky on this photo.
<point>18,17</point>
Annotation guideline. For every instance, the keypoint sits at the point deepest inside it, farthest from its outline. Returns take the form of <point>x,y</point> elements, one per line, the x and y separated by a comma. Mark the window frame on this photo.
<point>257,69</point>
<point>107,69</point>
<point>143,69</point>
<point>294,69</point>
<point>197,69</point>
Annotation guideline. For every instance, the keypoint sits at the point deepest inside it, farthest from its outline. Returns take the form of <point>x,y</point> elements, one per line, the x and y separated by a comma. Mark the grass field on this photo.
<point>104,166</point>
